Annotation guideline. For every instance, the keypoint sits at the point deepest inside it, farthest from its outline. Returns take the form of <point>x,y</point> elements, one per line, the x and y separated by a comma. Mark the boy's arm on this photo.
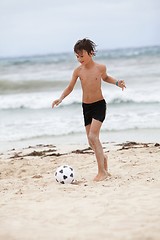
<point>109,79</point>
<point>68,89</point>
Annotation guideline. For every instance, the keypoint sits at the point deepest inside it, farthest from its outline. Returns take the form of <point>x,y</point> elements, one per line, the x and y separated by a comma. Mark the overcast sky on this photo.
<point>49,26</point>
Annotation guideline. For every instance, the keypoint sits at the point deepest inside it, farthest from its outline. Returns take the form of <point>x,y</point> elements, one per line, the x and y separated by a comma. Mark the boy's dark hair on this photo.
<point>85,44</point>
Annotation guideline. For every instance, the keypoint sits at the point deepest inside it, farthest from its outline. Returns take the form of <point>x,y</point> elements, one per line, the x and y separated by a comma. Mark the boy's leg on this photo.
<point>105,156</point>
<point>93,138</point>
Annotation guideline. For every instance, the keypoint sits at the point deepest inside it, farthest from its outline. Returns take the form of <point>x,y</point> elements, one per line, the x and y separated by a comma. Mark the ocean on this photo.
<point>28,85</point>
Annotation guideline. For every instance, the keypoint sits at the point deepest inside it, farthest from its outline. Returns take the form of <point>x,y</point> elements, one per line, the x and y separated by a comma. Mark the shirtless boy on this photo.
<point>91,74</point>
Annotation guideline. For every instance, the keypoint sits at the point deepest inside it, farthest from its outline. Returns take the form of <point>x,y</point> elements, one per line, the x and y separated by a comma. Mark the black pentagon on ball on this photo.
<point>64,177</point>
<point>61,171</point>
<point>71,169</point>
<point>62,182</point>
<point>55,173</point>
<point>71,175</point>
<point>65,166</point>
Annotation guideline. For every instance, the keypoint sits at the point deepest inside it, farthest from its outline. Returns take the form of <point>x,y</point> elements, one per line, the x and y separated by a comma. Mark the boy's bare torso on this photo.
<point>90,78</point>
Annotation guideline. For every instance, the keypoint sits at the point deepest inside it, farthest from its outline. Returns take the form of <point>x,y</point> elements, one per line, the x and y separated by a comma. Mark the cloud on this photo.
<point>32,27</point>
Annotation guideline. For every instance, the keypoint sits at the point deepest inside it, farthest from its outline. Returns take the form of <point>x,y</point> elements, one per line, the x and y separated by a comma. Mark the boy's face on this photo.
<point>83,57</point>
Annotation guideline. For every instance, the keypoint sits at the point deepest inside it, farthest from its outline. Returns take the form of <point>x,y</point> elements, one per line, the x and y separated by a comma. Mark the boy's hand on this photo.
<point>121,84</point>
<point>56,102</point>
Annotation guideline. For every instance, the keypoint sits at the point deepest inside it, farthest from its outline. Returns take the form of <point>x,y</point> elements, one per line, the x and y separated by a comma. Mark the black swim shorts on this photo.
<point>96,110</point>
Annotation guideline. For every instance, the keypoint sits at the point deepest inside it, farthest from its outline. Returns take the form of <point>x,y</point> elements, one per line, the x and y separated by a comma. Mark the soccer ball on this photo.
<point>64,174</point>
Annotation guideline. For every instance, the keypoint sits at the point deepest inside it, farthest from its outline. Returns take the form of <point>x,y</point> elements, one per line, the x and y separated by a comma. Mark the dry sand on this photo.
<point>33,206</point>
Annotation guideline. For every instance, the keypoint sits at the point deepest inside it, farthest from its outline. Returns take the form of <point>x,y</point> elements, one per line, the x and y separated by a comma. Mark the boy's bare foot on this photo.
<point>101,176</point>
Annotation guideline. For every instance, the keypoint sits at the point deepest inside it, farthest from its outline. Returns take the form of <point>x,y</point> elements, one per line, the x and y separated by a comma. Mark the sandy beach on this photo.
<point>126,206</point>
